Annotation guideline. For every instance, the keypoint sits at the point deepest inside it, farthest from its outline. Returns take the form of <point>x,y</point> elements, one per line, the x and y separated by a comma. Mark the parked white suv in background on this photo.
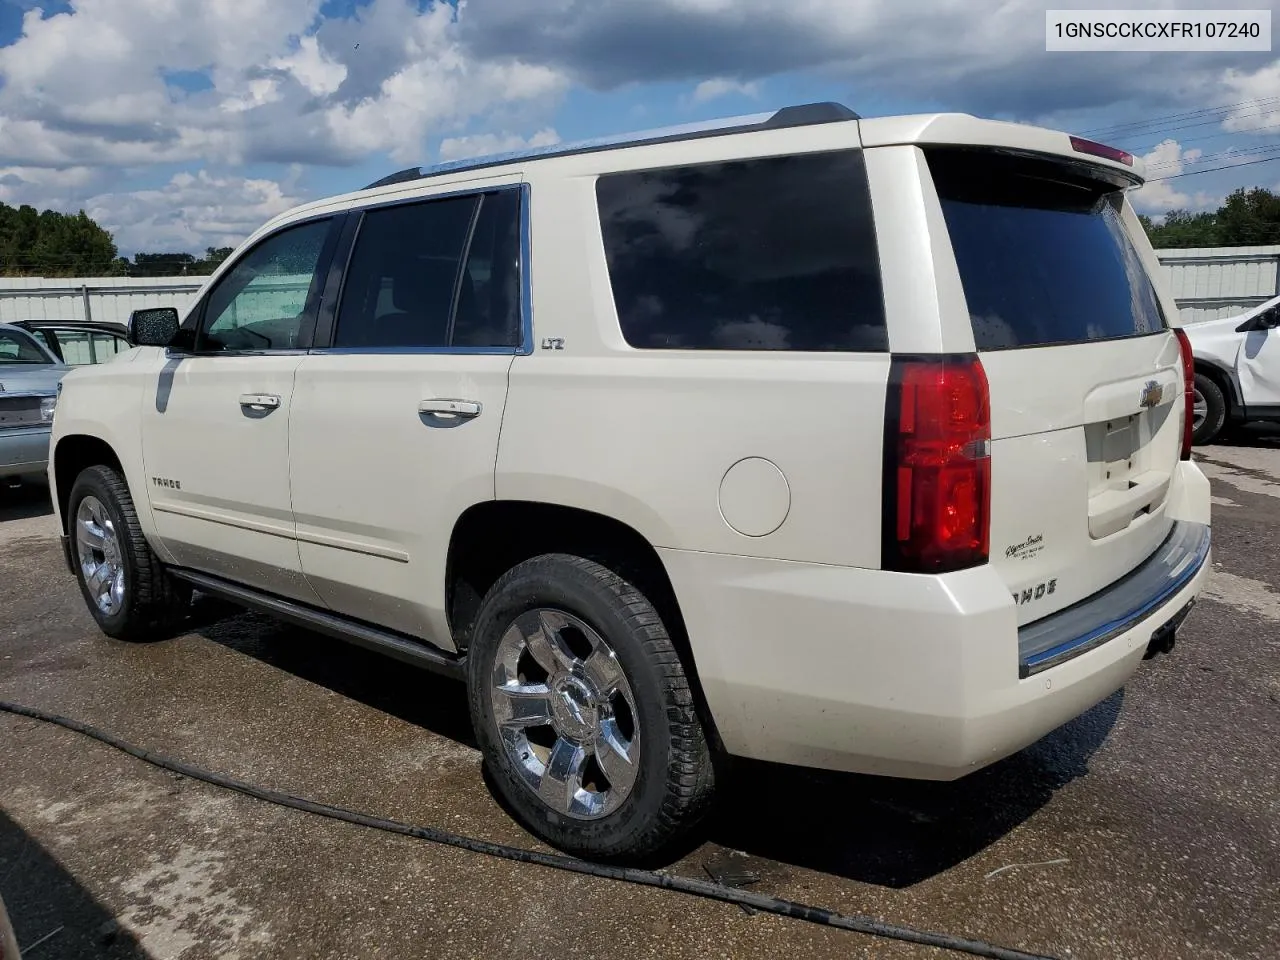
<point>858,444</point>
<point>1237,369</point>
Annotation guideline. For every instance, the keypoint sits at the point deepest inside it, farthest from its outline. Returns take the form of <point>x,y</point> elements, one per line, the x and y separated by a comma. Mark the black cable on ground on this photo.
<point>645,878</point>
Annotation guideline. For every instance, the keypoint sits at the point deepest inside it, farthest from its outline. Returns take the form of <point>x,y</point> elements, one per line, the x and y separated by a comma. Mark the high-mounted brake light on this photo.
<point>937,465</point>
<point>1093,148</point>
<point>1188,389</point>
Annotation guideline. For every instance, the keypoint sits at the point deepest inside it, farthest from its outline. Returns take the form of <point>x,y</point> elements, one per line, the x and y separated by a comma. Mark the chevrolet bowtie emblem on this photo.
<point>1152,394</point>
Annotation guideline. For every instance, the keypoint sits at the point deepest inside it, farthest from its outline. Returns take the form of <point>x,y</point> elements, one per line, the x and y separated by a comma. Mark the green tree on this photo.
<point>1249,217</point>
<point>53,244</point>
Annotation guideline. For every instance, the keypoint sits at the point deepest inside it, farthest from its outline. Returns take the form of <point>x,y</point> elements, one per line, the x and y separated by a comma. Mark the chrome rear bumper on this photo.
<point>1139,594</point>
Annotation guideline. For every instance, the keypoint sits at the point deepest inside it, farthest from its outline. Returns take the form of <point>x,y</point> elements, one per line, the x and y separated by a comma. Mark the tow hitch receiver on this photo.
<point>1163,638</point>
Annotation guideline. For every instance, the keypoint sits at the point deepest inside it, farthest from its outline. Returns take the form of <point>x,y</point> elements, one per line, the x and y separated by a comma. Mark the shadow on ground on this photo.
<point>1264,435</point>
<point>54,917</point>
<point>897,833</point>
<point>413,695</point>
<point>877,830</point>
<point>24,502</point>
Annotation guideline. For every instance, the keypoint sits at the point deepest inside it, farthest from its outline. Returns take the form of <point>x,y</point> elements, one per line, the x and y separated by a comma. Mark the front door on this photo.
<point>1259,364</point>
<point>216,429</point>
<point>395,426</point>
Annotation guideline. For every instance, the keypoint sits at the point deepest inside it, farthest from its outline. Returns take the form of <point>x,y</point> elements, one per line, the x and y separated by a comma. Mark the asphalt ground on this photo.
<point>1147,828</point>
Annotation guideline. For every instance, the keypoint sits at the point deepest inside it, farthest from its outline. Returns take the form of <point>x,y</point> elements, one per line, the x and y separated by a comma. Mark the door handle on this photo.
<point>259,401</point>
<point>440,407</point>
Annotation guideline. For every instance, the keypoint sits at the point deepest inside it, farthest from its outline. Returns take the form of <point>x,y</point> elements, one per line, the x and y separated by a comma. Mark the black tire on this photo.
<point>154,601</point>
<point>1215,411</point>
<point>675,778</point>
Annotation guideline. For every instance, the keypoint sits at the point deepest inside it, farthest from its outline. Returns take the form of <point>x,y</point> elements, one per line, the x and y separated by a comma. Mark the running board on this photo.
<point>402,648</point>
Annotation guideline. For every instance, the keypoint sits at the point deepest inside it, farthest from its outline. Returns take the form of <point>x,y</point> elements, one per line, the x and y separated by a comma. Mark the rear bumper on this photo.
<point>1124,605</point>
<point>899,674</point>
<point>24,452</point>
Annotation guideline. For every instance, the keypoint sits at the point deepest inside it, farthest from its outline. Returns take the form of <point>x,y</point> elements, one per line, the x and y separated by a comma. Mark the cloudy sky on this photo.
<point>180,124</point>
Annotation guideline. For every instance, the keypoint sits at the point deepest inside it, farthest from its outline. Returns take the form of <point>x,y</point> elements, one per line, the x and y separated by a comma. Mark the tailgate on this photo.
<point>1084,374</point>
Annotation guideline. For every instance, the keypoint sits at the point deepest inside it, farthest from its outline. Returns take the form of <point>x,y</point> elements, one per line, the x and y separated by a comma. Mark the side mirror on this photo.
<point>153,328</point>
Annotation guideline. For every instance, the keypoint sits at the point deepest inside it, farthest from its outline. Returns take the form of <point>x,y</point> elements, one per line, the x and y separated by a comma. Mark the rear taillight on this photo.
<point>1188,390</point>
<point>937,465</point>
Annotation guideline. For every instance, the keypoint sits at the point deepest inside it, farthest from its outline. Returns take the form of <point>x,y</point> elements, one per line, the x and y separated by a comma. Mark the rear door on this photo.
<point>1085,376</point>
<point>395,421</point>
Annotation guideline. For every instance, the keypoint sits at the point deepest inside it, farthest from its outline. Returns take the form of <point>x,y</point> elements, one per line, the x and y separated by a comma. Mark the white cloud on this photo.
<point>487,144</point>
<point>1167,159</point>
<point>91,86</point>
<point>1255,93</point>
<point>722,86</point>
<point>191,212</point>
<point>45,187</point>
<point>313,68</point>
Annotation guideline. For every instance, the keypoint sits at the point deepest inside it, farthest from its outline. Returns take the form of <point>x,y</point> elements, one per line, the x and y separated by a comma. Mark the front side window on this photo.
<point>776,253</point>
<point>260,303</point>
<point>438,273</point>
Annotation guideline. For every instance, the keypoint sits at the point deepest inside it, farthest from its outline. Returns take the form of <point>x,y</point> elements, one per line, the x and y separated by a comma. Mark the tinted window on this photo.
<point>770,254</point>
<point>1043,255</point>
<point>260,303</point>
<point>434,274</point>
<point>488,312</point>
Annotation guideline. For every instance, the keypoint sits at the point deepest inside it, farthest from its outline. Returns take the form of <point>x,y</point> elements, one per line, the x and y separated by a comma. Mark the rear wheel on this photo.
<point>1209,414</point>
<point>127,589</point>
<point>584,713</point>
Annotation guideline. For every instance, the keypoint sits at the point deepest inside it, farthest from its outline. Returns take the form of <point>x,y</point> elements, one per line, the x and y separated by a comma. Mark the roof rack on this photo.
<point>800,115</point>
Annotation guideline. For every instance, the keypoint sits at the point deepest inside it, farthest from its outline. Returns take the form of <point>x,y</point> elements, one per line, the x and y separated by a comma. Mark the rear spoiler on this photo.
<point>962,130</point>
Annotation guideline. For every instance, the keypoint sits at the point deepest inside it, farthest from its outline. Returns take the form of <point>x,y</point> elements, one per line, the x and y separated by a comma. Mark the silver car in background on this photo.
<point>29,378</point>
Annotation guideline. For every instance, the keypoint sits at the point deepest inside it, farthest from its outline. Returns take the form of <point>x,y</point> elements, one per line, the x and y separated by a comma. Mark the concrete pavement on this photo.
<point>1149,828</point>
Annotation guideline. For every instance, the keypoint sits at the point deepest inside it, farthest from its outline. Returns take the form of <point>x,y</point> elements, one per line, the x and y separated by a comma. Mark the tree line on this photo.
<point>1247,218</point>
<point>51,244</point>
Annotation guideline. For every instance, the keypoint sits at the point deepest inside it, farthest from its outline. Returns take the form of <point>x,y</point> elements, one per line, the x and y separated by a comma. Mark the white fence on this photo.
<point>1212,282</point>
<point>1207,283</point>
<point>93,298</point>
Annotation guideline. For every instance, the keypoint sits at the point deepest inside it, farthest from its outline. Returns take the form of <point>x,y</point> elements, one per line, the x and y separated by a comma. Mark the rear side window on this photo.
<point>771,254</point>
<point>1042,252</point>
<point>439,273</point>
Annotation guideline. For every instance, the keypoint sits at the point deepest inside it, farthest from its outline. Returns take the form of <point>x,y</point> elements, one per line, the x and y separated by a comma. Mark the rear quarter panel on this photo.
<point>647,436</point>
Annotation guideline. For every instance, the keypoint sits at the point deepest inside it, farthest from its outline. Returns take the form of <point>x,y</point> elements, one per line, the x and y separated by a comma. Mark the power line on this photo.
<point>1230,166</point>
<point>1165,131</point>
<point>1128,129</point>
<point>1224,155</point>
<point>1215,136</point>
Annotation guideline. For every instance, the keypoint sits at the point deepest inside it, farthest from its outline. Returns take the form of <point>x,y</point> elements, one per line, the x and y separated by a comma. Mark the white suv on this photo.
<point>858,444</point>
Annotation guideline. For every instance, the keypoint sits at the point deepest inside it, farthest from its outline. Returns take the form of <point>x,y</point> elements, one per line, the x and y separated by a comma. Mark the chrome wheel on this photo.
<point>98,550</point>
<point>566,714</point>
<point>1199,410</point>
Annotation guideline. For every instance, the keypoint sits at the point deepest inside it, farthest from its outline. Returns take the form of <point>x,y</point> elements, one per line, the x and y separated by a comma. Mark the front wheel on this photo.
<point>584,712</point>
<point>127,589</point>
